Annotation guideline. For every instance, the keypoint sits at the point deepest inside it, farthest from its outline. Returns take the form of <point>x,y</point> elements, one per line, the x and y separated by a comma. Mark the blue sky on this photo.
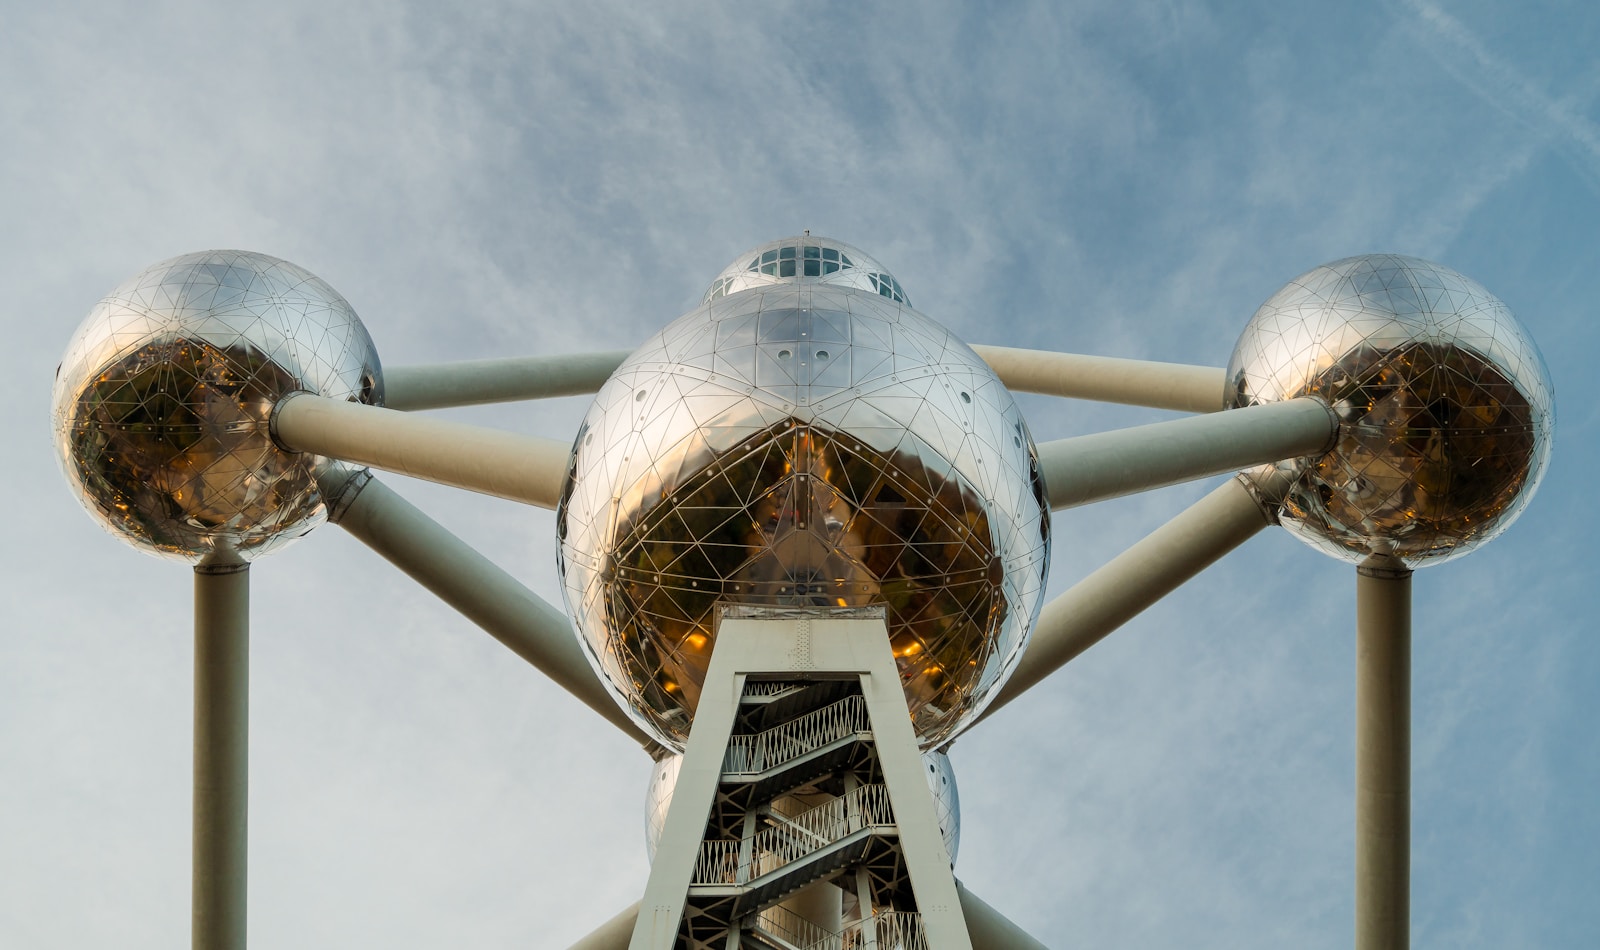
<point>1123,179</point>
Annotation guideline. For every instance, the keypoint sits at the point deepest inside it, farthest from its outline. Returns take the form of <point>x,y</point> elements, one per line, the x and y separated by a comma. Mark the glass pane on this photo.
<point>813,252</point>
<point>786,268</point>
<point>813,268</point>
<point>830,254</point>
<point>786,253</point>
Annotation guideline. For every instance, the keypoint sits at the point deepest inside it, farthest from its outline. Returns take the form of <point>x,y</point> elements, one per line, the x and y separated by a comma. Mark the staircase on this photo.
<point>780,929</point>
<point>800,800</point>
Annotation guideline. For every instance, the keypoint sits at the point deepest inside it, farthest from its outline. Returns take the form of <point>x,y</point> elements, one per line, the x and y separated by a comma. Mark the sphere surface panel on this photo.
<point>1445,405</point>
<point>162,400</point>
<point>804,446</point>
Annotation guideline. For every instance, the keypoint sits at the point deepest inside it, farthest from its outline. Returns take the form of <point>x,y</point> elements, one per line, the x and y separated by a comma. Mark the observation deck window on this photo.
<point>800,260</point>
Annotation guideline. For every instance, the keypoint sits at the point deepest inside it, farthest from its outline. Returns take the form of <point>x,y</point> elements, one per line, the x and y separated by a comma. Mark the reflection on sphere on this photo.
<point>1445,405</point>
<point>804,441</point>
<point>161,402</point>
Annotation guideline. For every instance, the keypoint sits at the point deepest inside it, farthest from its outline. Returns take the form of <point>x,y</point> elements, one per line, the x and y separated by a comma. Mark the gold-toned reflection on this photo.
<point>798,515</point>
<point>1437,442</point>
<point>1445,405</point>
<point>171,444</point>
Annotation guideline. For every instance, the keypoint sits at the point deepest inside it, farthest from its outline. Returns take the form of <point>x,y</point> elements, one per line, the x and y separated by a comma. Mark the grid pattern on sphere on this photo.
<point>1445,404</point>
<point>161,403</point>
<point>807,445</point>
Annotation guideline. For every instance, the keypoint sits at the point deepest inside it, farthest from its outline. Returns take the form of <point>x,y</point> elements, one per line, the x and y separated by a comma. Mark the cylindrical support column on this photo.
<point>1108,379</point>
<point>221,752</point>
<point>820,903</point>
<point>505,380</point>
<point>1090,468</point>
<point>519,467</point>
<point>1383,754</point>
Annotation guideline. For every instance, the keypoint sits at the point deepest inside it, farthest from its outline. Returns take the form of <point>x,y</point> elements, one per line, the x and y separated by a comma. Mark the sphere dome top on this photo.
<point>805,259</point>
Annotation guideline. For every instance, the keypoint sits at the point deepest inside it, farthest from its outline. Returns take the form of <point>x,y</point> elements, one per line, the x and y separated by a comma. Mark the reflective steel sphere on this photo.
<point>941,778</point>
<point>936,769</point>
<point>161,401</point>
<point>1445,404</point>
<point>658,799</point>
<point>804,440</point>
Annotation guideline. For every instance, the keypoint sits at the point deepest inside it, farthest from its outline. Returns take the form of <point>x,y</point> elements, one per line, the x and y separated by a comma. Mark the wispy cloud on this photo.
<point>1558,120</point>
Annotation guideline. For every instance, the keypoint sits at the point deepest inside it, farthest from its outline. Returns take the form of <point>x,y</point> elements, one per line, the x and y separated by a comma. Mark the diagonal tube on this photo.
<point>519,467</point>
<point>475,586</point>
<point>476,382</point>
<point>614,934</point>
<point>1108,379</point>
<point>1133,580</point>
<point>1090,468</point>
<point>989,929</point>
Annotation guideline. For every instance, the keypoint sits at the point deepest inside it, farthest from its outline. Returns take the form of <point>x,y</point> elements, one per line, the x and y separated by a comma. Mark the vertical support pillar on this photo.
<point>221,751</point>
<point>1383,754</point>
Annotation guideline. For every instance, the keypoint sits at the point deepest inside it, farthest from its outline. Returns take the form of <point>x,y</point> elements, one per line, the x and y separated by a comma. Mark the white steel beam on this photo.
<point>221,752</point>
<point>475,382</point>
<point>478,588</point>
<point>1090,468</point>
<point>519,467</point>
<point>1130,582</point>
<point>1383,754</point>
<point>805,644</point>
<point>1108,379</point>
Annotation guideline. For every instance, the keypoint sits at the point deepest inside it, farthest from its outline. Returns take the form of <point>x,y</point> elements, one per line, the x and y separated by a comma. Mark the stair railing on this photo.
<point>755,753</point>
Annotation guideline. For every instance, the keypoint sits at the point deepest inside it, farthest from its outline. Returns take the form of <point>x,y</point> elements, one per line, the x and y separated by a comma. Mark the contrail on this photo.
<point>1511,92</point>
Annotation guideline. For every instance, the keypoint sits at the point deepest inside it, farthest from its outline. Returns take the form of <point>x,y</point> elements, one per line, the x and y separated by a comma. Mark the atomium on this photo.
<point>162,401</point>
<point>805,445</point>
<point>804,438</point>
<point>1445,406</point>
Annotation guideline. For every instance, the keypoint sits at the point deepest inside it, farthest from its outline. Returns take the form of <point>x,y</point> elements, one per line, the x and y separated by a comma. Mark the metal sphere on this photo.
<point>941,776</point>
<point>1446,409</point>
<point>161,401</point>
<point>936,769</point>
<point>804,442</point>
<point>658,799</point>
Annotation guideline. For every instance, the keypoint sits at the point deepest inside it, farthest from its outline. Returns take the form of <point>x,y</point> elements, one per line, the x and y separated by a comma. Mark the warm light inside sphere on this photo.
<point>1445,406</point>
<point>804,443</point>
<point>162,401</point>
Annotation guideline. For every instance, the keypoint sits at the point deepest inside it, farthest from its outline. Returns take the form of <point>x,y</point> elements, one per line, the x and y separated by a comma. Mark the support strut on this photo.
<point>1383,754</point>
<point>221,751</point>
